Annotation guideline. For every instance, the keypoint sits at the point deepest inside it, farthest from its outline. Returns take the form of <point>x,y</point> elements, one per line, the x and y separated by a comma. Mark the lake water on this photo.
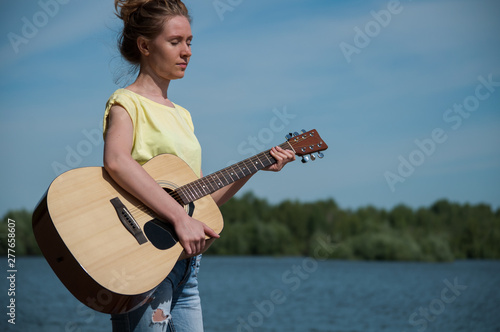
<point>293,294</point>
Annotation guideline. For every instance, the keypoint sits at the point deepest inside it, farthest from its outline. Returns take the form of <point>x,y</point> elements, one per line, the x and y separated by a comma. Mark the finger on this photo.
<point>291,155</point>
<point>199,246</point>
<point>284,151</point>
<point>210,232</point>
<point>288,155</point>
<point>187,249</point>
<point>278,155</point>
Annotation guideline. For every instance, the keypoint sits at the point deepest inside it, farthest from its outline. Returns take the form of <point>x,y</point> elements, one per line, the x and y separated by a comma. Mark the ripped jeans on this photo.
<point>175,305</point>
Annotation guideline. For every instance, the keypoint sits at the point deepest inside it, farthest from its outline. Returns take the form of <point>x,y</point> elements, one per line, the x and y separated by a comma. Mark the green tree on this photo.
<point>441,232</point>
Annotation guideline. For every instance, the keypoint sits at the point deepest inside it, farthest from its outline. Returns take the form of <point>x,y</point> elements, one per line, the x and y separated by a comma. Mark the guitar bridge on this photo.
<point>128,221</point>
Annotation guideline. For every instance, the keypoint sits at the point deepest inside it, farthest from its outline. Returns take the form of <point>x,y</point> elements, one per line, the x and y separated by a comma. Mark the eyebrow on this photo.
<point>180,37</point>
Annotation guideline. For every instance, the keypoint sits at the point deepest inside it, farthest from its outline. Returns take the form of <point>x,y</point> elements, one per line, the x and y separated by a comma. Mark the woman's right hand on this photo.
<point>192,235</point>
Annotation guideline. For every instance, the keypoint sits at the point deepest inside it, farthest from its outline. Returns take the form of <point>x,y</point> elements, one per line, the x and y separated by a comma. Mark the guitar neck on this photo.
<point>211,183</point>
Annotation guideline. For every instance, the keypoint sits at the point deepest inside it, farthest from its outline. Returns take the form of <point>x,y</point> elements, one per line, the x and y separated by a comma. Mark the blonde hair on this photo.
<point>144,18</point>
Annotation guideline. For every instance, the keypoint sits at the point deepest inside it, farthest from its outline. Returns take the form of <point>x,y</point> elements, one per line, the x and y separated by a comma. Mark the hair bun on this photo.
<point>125,8</point>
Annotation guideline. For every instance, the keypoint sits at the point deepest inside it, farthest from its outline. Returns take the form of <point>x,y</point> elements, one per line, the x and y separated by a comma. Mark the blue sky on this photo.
<point>396,89</point>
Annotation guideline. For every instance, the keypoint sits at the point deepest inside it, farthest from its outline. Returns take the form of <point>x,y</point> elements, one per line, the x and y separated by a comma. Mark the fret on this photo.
<point>287,146</point>
<point>213,182</point>
<point>247,165</point>
<point>188,192</point>
<point>268,160</point>
<point>218,183</point>
<point>232,173</point>
<point>240,171</point>
<point>264,159</point>
<point>260,161</point>
<point>253,164</point>
<point>210,184</point>
<point>227,178</point>
<point>194,189</point>
<point>257,162</point>
<point>202,184</point>
<point>182,195</point>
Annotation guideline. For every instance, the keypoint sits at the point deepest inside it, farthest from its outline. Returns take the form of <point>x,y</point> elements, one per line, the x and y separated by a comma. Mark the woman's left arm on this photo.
<point>282,157</point>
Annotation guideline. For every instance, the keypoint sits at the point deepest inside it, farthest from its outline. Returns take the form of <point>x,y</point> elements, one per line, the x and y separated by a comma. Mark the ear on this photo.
<point>143,45</point>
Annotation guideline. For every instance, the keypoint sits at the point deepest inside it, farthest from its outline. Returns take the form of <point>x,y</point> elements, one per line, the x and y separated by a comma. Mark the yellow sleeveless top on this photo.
<point>158,129</point>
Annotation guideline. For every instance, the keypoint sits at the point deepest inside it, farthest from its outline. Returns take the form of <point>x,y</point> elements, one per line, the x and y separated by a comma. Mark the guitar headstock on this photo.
<point>306,143</point>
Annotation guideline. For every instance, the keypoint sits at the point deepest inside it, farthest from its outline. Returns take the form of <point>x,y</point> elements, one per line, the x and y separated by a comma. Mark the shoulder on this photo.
<point>124,98</point>
<point>127,100</point>
<point>122,105</point>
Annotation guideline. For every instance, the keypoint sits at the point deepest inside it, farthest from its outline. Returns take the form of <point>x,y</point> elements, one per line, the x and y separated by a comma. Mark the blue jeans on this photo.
<point>175,305</point>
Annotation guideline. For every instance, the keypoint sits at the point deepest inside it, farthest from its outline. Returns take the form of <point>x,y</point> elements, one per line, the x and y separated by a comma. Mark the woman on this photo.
<point>141,122</point>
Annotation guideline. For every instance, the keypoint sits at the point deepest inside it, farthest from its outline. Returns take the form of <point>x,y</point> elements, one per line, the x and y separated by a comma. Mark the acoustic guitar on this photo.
<point>108,249</point>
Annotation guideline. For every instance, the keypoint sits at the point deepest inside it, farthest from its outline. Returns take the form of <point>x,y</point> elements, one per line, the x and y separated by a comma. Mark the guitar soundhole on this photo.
<point>160,234</point>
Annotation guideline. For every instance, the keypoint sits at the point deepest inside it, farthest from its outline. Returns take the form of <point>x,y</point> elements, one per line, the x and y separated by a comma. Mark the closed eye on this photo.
<point>175,43</point>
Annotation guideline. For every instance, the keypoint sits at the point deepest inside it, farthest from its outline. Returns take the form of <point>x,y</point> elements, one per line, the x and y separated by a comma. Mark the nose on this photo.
<point>186,50</point>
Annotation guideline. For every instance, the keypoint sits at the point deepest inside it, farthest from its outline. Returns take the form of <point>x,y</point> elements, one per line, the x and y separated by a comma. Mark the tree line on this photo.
<point>443,231</point>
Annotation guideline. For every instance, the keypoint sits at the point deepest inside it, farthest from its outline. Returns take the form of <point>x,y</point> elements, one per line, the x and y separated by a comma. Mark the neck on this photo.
<point>149,83</point>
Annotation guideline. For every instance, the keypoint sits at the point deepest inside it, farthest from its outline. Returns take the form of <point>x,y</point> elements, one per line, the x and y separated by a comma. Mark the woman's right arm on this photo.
<point>130,175</point>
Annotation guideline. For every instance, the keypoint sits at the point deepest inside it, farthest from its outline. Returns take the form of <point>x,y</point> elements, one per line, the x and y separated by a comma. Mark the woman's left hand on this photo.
<point>282,157</point>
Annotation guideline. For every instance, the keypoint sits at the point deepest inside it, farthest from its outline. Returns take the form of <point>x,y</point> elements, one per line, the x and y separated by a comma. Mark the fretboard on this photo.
<point>211,183</point>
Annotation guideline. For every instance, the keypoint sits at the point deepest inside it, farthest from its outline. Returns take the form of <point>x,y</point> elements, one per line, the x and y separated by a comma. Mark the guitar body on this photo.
<point>93,253</point>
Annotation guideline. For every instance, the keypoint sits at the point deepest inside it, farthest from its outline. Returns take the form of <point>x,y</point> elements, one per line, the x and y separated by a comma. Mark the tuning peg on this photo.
<point>305,159</point>
<point>289,136</point>
<point>313,158</point>
<point>320,155</point>
<point>295,134</point>
<point>303,131</point>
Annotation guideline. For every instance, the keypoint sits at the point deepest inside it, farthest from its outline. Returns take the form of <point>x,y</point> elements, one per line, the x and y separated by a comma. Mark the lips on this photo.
<point>182,64</point>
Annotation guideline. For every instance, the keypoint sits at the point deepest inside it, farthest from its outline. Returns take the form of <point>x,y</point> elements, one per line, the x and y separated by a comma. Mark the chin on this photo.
<point>177,76</point>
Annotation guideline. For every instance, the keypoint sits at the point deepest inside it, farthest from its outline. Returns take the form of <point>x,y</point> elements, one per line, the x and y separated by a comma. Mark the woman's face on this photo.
<point>169,53</point>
